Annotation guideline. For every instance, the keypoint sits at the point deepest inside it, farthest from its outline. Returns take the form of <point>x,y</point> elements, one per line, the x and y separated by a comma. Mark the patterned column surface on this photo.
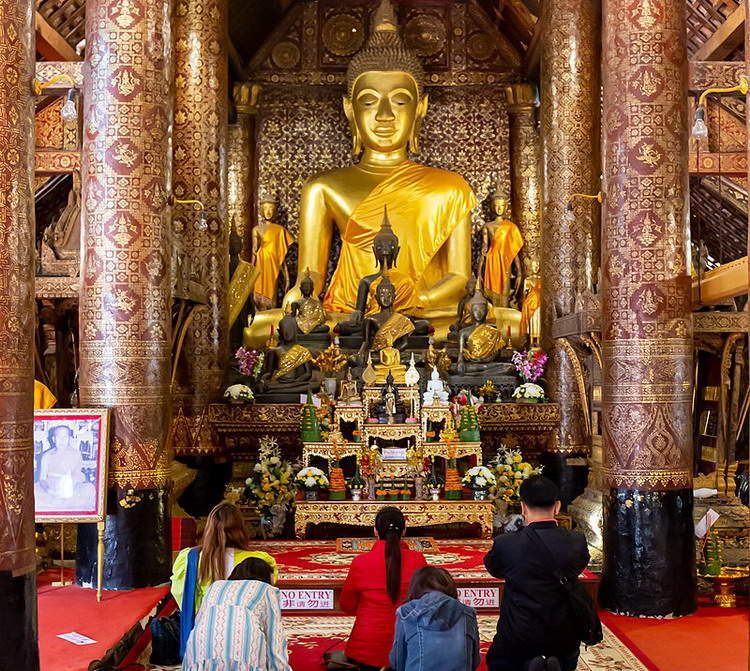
<point>18,620</point>
<point>569,127</point>
<point>16,288</point>
<point>125,292</point>
<point>200,145</point>
<point>525,148</point>
<point>646,322</point>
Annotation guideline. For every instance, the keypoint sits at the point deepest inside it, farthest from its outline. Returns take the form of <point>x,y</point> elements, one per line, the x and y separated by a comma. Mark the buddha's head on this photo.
<point>385,245</point>
<point>500,205</point>
<point>385,294</point>
<point>386,102</point>
<point>471,285</point>
<point>268,208</point>
<point>478,307</point>
<point>287,329</point>
<point>306,286</point>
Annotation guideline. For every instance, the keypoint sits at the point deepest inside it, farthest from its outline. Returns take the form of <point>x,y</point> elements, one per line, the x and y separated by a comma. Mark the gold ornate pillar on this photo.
<point>125,296</point>
<point>525,163</point>
<point>647,343</point>
<point>17,557</point>
<point>200,173</point>
<point>570,72</point>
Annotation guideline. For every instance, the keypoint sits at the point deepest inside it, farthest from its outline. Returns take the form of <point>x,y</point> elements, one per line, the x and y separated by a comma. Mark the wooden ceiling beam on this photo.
<point>707,74</point>
<point>727,38</point>
<point>51,44</point>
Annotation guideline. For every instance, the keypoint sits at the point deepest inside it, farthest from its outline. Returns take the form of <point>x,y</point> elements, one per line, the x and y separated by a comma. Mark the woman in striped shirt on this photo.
<point>238,627</point>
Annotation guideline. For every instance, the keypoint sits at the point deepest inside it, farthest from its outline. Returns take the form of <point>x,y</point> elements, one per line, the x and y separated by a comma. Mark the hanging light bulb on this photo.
<point>69,112</point>
<point>202,221</point>
<point>700,130</point>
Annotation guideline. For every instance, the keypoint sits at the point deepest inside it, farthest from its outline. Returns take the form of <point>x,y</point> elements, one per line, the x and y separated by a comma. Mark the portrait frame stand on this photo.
<point>72,489</point>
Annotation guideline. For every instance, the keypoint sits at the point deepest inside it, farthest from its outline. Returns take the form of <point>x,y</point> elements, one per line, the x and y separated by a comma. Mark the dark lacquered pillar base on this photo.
<point>570,479</point>
<point>649,553</point>
<point>18,622</point>
<point>137,542</point>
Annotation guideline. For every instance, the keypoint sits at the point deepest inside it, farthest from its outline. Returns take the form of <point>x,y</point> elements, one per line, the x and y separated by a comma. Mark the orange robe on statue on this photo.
<point>531,304</point>
<point>273,247</point>
<point>43,397</point>
<point>506,243</point>
<point>424,207</point>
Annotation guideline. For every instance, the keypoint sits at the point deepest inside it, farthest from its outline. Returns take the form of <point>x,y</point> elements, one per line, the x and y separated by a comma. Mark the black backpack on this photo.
<point>586,617</point>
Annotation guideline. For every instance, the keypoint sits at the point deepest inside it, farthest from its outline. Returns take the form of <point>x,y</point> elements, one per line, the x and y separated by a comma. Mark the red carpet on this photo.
<point>70,608</point>
<point>713,639</point>
<point>310,637</point>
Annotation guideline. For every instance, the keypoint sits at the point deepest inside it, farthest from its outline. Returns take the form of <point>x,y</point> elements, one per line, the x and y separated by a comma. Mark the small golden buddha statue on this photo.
<point>348,395</point>
<point>430,209</point>
<point>288,368</point>
<point>479,343</point>
<point>269,244</point>
<point>501,243</point>
<point>308,311</point>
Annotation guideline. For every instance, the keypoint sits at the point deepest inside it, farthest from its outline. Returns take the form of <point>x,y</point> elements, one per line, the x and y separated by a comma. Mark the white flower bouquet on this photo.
<point>310,478</point>
<point>479,478</point>
<point>239,393</point>
<point>529,392</point>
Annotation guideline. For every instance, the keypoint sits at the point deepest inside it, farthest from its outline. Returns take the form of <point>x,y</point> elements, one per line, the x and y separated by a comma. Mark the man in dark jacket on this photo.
<point>536,629</point>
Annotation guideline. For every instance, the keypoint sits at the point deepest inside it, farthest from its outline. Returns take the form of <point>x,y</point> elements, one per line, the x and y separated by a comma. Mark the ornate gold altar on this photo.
<point>417,513</point>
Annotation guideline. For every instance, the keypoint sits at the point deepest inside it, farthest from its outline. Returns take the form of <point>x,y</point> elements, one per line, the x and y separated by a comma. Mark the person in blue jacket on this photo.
<point>434,630</point>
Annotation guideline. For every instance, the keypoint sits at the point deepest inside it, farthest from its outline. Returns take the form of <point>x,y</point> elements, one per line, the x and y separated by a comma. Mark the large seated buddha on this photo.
<point>429,209</point>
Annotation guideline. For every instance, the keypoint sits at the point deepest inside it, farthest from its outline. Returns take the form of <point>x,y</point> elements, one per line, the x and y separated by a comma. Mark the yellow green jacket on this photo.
<point>180,568</point>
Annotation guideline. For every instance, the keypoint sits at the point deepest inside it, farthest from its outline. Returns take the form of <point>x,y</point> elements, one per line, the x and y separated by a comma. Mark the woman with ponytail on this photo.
<point>375,587</point>
<point>223,546</point>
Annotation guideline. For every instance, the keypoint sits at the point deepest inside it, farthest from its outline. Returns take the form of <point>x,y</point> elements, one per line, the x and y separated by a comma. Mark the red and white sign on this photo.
<point>306,599</point>
<point>480,597</point>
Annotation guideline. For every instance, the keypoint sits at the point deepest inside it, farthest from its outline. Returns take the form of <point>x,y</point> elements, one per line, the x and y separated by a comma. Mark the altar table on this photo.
<point>417,513</point>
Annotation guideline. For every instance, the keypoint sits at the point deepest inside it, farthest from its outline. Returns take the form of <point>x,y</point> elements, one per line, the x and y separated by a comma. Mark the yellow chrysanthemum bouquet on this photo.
<point>510,471</point>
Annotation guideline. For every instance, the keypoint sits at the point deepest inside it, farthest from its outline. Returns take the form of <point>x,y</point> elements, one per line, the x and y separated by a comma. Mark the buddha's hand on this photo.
<point>355,317</point>
<point>292,296</point>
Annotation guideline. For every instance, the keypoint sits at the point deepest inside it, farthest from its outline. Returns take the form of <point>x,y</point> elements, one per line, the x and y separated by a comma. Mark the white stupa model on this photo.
<point>411,377</point>
<point>436,393</point>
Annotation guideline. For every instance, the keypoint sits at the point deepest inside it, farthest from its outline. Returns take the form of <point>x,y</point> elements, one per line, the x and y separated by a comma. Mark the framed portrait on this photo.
<point>70,464</point>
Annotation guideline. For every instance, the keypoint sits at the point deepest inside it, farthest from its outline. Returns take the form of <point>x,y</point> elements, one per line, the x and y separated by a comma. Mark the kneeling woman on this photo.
<point>239,624</point>
<point>375,587</point>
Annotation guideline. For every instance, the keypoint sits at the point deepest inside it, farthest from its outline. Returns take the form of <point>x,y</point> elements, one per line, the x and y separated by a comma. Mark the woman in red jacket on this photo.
<point>375,587</point>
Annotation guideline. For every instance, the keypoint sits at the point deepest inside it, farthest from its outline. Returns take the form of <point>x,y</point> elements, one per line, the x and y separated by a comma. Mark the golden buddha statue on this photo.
<point>501,243</point>
<point>269,243</point>
<point>430,209</point>
<point>308,310</point>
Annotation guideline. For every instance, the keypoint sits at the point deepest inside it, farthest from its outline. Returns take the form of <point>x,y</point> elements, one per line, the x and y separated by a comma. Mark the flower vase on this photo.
<point>480,494</point>
<point>434,493</point>
<point>356,494</point>
<point>311,495</point>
